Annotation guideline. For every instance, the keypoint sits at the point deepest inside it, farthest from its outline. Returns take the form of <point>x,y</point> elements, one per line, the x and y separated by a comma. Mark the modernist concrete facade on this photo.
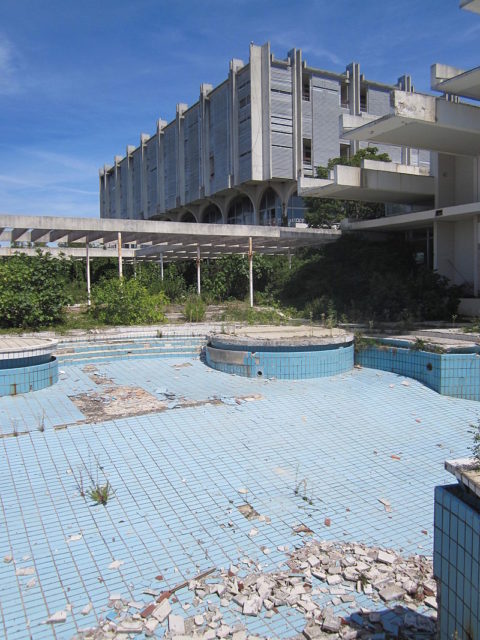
<point>236,155</point>
<point>449,232</point>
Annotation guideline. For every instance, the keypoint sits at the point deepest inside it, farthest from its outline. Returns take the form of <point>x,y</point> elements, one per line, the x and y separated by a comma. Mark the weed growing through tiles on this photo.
<point>90,485</point>
<point>299,484</point>
<point>41,423</point>
<point>101,493</point>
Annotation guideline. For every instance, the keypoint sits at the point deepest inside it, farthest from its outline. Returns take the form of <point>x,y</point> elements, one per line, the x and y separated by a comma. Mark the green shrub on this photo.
<point>120,301</point>
<point>369,280</point>
<point>195,309</point>
<point>32,290</point>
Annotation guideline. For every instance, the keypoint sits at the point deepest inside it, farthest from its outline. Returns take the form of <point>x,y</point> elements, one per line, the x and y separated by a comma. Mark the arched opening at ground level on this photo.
<point>241,211</point>
<point>187,216</point>
<point>212,215</point>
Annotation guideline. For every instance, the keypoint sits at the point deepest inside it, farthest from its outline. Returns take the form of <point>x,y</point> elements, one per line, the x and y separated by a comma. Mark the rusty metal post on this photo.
<point>87,255</point>
<point>119,249</point>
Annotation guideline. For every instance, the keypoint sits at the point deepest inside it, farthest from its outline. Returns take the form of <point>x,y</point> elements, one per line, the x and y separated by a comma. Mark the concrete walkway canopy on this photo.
<point>150,240</point>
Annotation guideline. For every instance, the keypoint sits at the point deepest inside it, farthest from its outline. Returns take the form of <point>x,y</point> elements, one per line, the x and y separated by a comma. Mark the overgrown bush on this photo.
<point>121,301</point>
<point>32,290</point>
<point>369,280</point>
<point>195,309</point>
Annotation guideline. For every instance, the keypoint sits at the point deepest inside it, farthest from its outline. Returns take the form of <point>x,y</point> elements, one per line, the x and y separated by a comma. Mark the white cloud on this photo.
<point>9,67</point>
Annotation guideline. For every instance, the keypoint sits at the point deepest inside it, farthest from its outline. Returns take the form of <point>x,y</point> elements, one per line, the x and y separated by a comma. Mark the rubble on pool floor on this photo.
<point>328,583</point>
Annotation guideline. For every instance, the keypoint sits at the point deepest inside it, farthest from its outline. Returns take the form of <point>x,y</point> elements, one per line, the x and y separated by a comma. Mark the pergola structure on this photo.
<point>86,238</point>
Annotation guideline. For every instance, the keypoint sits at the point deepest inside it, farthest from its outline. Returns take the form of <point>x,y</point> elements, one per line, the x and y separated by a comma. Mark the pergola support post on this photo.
<point>87,266</point>
<point>250,269</point>
<point>119,249</point>
<point>199,289</point>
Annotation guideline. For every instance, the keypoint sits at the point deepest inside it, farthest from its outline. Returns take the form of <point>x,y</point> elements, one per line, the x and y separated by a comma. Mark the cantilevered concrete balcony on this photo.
<point>456,81</point>
<point>374,181</point>
<point>425,122</point>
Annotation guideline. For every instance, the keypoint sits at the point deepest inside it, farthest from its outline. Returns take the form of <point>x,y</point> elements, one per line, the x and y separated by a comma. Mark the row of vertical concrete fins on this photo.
<point>252,128</point>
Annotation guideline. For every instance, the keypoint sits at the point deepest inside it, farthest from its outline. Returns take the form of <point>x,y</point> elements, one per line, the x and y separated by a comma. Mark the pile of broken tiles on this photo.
<point>328,583</point>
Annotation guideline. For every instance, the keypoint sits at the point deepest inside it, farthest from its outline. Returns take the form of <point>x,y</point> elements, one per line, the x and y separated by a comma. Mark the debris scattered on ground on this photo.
<point>119,401</point>
<point>328,583</point>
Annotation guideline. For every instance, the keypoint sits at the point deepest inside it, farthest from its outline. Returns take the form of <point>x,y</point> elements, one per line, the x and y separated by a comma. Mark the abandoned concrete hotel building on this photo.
<point>238,154</point>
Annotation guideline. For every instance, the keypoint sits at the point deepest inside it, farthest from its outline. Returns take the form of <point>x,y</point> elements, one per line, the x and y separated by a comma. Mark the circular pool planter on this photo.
<point>26,364</point>
<point>291,353</point>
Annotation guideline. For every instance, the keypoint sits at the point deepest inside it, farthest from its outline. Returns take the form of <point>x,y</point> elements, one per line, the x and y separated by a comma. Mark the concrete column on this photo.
<point>129,167</point>
<point>199,289</point>
<point>161,124</point>
<point>87,256</point>
<point>235,66</point>
<point>289,260</point>
<point>204,153</point>
<point>161,267</point>
<point>260,111</point>
<point>120,261</point>
<point>180,125</point>
<point>106,191</point>
<point>250,269</point>
<point>103,212</point>
<point>144,192</point>
<point>353,71</point>
<point>295,57</point>
<point>405,84</point>
<point>118,188</point>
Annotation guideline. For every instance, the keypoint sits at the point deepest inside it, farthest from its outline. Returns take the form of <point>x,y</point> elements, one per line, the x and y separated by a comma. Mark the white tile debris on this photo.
<point>320,580</point>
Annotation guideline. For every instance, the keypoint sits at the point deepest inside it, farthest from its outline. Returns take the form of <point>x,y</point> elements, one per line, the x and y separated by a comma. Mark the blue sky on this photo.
<point>81,80</point>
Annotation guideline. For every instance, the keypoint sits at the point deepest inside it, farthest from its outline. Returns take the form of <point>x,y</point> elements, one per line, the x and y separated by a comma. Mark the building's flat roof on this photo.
<point>174,240</point>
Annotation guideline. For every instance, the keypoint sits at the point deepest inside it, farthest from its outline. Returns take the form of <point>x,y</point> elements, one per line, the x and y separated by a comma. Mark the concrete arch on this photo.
<point>270,207</point>
<point>241,210</point>
<point>211,214</point>
<point>187,216</point>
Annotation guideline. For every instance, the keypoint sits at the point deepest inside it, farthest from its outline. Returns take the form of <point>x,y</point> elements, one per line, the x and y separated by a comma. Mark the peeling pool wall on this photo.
<point>450,374</point>
<point>456,562</point>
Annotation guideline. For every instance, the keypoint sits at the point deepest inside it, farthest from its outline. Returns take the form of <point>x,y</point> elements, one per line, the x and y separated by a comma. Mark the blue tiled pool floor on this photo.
<point>179,475</point>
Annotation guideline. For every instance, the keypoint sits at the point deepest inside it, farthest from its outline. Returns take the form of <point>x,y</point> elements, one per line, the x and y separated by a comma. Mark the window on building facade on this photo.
<point>244,101</point>
<point>307,151</point>
<point>344,95</point>
<point>212,166</point>
<point>306,88</point>
<point>363,98</point>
